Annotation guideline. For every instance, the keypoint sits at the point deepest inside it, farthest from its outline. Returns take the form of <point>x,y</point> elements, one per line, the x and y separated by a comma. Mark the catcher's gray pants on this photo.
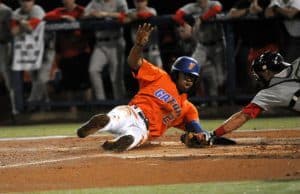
<point>211,59</point>
<point>109,53</point>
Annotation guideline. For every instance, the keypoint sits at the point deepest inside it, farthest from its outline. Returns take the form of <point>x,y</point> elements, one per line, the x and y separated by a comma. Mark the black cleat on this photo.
<point>122,144</point>
<point>93,125</point>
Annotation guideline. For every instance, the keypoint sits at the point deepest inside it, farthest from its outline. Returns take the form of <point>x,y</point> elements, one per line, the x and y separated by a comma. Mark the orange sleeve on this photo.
<point>252,110</point>
<point>211,12</point>
<point>148,73</point>
<point>191,113</point>
<point>179,17</point>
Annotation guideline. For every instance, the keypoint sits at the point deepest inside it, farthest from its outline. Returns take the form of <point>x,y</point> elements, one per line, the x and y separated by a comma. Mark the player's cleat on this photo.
<point>120,145</point>
<point>93,125</point>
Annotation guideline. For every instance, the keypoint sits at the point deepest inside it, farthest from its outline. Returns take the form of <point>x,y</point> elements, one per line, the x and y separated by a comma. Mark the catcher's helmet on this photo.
<point>272,61</point>
<point>186,65</point>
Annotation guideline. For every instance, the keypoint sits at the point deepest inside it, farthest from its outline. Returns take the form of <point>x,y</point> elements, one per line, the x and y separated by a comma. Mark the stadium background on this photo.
<point>166,8</point>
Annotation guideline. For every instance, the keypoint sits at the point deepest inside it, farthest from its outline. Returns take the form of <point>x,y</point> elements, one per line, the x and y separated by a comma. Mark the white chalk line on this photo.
<point>44,137</point>
<point>22,149</point>
<point>100,155</point>
<point>240,141</point>
<point>105,135</point>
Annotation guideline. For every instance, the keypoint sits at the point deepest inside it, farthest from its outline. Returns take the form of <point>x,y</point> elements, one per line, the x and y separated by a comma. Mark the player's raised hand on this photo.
<point>143,33</point>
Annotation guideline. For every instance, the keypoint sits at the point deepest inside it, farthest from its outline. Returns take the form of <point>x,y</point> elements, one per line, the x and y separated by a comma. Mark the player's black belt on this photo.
<point>146,121</point>
<point>143,117</point>
<point>294,99</point>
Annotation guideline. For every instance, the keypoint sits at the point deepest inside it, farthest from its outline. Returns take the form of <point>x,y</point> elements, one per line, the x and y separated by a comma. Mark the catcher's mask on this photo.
<point>272,61</point>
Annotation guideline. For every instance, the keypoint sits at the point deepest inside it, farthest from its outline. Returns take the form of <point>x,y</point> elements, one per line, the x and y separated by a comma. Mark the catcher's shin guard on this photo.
<point>120,145</point>
<point>93,125</point>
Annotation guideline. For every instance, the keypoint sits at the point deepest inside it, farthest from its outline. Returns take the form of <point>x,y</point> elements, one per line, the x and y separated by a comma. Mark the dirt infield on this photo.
<point>72,163</point>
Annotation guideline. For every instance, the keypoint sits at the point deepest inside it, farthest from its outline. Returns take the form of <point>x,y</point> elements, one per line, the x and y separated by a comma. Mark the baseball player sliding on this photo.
<point>161,102</point>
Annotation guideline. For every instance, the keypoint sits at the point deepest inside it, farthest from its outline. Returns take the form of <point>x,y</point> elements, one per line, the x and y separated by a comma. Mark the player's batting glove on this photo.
<point>196,140</point>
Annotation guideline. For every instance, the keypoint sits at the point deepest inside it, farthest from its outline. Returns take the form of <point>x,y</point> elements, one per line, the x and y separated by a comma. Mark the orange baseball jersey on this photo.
<point>160,100</point>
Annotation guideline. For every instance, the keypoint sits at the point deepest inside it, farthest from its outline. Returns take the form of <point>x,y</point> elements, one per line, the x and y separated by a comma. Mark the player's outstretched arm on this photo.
<point>233,123</point>
<point>250,111</point>
<point>142,37</point>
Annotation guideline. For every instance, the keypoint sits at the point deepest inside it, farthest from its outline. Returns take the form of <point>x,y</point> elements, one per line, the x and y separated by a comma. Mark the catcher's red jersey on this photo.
<point>160,100</point>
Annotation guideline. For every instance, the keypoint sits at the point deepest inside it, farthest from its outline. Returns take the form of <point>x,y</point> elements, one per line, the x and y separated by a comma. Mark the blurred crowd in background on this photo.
<point>39,66</point>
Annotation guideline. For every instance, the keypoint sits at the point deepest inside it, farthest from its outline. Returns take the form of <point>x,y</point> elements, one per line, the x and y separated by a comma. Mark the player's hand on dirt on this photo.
<point>196,140</point>
<point>203,136</point>
<point>143,33</point>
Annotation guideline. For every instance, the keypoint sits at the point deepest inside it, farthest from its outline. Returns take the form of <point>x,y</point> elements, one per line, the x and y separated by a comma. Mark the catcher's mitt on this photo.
<point>190,140</point>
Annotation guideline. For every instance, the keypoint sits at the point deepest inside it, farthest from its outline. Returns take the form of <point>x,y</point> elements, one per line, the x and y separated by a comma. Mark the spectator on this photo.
<point>26,20</point>
<point>109,47</point>
<point>210,42</point>
<point>251,41</point>
<point>186,42</point>
<point>143,12</point>
<point>288,9</point>
<point>72,52</point>
<point>5,50</point>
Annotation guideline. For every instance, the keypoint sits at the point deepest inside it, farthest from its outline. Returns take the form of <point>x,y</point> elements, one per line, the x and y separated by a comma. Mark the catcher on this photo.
<point>160,103</point>
<point>282,89</point>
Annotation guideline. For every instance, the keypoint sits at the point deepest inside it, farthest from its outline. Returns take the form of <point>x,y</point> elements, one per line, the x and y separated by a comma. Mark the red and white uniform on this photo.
<point>279,93</point>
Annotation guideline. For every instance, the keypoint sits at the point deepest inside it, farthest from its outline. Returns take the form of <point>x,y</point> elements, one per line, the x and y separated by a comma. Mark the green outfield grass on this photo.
<point>70,129</point>
<point>246,187</point>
